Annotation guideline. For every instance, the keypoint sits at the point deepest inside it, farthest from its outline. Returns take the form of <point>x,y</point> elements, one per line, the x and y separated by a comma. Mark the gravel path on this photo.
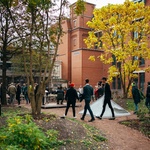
<point>119,136</point>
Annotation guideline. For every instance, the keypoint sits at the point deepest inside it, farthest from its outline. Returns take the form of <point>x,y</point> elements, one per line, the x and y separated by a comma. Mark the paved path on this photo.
<point>119,136</point>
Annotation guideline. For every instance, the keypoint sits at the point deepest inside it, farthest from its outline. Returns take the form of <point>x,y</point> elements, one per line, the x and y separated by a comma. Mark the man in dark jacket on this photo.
<point>60,95</point>
<point>70,97</point>
<point>147,102</point>
<point>87,95</point>
<point>107,99</point>
<point>136,96</point>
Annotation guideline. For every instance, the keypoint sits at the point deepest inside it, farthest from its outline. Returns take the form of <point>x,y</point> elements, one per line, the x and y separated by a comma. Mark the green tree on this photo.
<point>38,26</point>
<point>40,41</point>
<point>124,34</point>
<point>9,44</point>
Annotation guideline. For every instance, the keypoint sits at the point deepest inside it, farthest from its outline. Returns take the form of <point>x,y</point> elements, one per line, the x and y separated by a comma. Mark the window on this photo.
<point>142,61</point>
<point>138,1</point>
<point>136,79</point>
<point>115,63</point>
<point>116,83</point>
<point>114,60</point>
<point>135,35</point>
<point>75,23</point>
<point>138,35</point>
<point>98,44</point>
<point>142,81</point>
<point>119,83</point>
<point>74,42</point>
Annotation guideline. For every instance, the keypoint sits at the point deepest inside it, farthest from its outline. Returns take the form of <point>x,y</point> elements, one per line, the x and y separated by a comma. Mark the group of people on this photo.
<point>87,93</point>
<point>14,92</point>
<point>104,89</point>
<point>138,96</point>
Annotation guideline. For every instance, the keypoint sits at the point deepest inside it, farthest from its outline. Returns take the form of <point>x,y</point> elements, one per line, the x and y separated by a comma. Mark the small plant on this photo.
<point>23,134</point>
<point>98,138</point>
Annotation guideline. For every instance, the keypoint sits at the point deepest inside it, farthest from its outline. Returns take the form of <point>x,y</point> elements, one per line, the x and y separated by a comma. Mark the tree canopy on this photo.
<point>37,24</point>
<point>124,34</point>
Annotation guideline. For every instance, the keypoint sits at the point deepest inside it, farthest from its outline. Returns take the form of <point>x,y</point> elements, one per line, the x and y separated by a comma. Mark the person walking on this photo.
<point>18,92</point>
<point>12,93</point>
<point>60,95</point>
<point>70,97</point>
<point>87,94</point>
<point>25,93</point>
<point>107,99</point>
<point>136,96</point>
<point>147,102</point>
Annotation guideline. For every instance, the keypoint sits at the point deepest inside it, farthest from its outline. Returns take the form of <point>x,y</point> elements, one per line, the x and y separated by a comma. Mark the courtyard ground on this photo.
<point>120,137</point>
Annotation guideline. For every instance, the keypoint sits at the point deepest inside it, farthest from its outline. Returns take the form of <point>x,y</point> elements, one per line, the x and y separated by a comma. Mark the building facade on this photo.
<point>73,52</point>
<point>143,77</point>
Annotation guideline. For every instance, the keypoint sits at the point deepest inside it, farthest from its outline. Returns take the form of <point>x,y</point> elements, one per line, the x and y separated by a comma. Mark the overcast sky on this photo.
<point>100,3</point>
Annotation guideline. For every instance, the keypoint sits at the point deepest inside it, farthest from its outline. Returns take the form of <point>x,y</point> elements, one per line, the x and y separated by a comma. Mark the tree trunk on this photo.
<point>39,103</point>
<point>4,87</point>
<point>32,99</point>
<point>36,100</point>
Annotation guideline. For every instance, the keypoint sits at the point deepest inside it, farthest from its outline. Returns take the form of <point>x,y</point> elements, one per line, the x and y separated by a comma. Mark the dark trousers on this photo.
<point>60,100</point>
<point>18,99</point>
<point>110,106</point>
<point>73,108</point>
<point>87,107</point>
<point>147,102</point>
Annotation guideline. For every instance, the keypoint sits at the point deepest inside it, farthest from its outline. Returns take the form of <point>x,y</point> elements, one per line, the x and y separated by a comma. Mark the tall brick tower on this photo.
<point>73,52</point>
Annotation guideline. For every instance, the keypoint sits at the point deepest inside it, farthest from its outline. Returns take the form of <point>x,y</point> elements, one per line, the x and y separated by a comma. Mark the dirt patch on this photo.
<point>142,126</point>
<point>75,134</point>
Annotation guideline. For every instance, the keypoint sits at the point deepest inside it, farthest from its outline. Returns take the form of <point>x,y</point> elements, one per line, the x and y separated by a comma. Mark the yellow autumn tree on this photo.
<point>123,36</point>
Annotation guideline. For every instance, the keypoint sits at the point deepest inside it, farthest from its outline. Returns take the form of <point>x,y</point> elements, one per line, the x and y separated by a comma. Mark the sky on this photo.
<point>100,3</point>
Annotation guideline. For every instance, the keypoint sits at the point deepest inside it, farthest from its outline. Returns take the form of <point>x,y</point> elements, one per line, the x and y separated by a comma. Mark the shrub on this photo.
<point>24,134</point>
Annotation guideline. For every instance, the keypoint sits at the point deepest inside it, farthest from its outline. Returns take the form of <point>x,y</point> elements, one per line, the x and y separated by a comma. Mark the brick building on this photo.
<point>74,54</point>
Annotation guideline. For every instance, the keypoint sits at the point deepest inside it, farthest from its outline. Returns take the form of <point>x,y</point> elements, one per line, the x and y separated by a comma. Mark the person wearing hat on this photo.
<point>107,99</point>
<point>70,97</point>
<point>147,102</point>
<point>87,94</point>
<point>136,96</point>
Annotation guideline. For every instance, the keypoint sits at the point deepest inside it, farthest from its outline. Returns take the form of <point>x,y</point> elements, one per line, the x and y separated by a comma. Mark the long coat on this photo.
<point>107,92</point>
<point>135,94</point>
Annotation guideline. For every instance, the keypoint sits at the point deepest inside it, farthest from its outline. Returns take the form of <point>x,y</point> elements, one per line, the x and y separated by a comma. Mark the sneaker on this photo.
<point>64,116</point>
<point>134,112</point>
<point>75,117</point>
<point>99,117</point>
<point>113,118</point>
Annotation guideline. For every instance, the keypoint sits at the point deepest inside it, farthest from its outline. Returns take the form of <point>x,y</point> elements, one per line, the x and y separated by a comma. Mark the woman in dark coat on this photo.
<point>136,96</point>
<point>71,96</point>
<point>18,93</point>
<point>147,102</point>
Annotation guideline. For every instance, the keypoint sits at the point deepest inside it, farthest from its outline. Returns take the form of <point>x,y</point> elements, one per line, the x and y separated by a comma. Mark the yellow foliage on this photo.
<point>124,35</point>
<point>92,58</point>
